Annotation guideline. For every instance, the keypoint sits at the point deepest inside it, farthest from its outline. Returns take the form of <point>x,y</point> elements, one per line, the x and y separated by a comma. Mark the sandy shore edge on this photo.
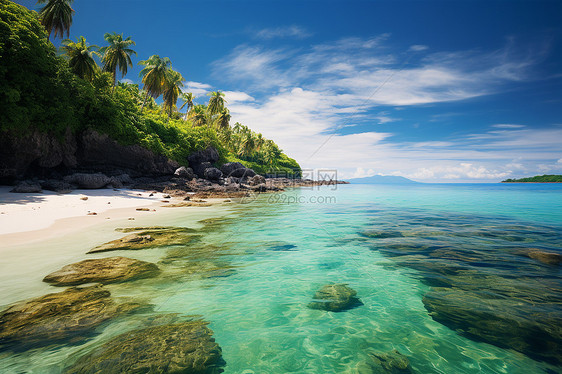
<point>30,217</point>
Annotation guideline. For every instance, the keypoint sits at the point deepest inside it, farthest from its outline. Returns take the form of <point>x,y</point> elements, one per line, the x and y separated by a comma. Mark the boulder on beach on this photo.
<point>149,238</point>
<point>213,174</point>
<point>103,270</point>
<point>335,298</point>
<point>88,181</point>
<point>256,180</point>
<point>392,362</point>
<point>69,316</point>
<point>184,172</point>
<point>27,187</point>
<point>236,170</point>
<point>185,347</point>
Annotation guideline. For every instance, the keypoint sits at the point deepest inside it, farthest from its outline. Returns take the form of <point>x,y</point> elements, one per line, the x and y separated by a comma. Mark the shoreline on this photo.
<point>26,218</point>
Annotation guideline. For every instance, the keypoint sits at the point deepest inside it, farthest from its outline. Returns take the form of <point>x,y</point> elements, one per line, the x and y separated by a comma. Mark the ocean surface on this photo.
<point>451,276</point>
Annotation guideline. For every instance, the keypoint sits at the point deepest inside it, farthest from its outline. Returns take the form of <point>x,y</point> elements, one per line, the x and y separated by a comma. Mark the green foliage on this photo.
<point>80,56</point>
<point>537,179</point>
<point>117,55</point>
<point>57,16</point>
<point>40,92</point>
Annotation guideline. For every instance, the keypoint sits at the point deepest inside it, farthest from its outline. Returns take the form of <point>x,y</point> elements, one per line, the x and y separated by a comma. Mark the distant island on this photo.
<point>382,179</point>
<point>537,179</point>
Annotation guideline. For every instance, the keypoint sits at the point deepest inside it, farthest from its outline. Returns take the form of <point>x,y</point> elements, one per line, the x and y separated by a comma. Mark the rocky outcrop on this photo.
<point>256,180</point>
<point>27,187</point>
<point>44,155</point>
<point>88,181</point>
<point>104,270</point>
<point>335,298</point>
<point>185,347</point>
<point>209,154</point>
<point>69,316</point>
<point>183,172</point>
<point>213,174</point>
<point>35,153</point>
<point>99,152</point>
<point>236,170</point>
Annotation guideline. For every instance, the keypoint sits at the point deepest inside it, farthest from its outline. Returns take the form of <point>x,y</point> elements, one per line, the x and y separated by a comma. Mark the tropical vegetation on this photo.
<point>537,179</point>
<point>42,89</point>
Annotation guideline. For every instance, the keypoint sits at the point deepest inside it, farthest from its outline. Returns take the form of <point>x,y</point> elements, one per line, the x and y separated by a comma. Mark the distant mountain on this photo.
<point>537,179</point>
<point>381,179</point>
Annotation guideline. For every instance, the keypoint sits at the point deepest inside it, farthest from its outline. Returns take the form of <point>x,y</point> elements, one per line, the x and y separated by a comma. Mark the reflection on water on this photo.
<point>478,266</point>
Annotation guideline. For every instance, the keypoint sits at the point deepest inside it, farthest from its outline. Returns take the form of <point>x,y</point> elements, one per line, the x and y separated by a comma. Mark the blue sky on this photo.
<point>437,91</point>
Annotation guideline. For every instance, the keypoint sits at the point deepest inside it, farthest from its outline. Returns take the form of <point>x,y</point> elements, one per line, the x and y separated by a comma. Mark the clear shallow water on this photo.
<point>258,312</point>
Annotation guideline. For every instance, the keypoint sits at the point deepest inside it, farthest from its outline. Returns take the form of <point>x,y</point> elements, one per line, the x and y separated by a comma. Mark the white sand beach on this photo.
<point>28,217</point>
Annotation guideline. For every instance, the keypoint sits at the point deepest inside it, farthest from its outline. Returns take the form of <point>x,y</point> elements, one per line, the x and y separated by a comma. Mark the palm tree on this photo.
<point>223,120</point>
<point>57,16</point>
<point>154,75</point>
<point>197,115</point>
<point>80,57</point>
<point>187,100</point>
<point>172,89</point>
<point>216,102</point>
<point>117,55</point>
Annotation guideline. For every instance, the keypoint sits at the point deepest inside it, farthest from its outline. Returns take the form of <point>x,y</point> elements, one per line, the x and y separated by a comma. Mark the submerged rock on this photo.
<point>335,298</point>
<point>104,270</point>
<point>504,322</point>
<point>149,238</point>
<point>69,316</point>
<point>549,258</point>
<point>186,347</point>
<point>392,362</point>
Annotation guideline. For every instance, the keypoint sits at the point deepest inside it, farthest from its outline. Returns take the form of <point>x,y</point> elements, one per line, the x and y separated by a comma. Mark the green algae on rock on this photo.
<point>392,362</point>
<point>149,238</point>
<point>538,334</point>
<point>103,270</point>
<point>70,316</point>
<point>185,347</point>
<point>335,298</point>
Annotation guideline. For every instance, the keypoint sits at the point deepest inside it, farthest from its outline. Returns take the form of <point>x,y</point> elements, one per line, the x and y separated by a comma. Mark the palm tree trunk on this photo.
<point>144,102</point>
<point>114,78</point>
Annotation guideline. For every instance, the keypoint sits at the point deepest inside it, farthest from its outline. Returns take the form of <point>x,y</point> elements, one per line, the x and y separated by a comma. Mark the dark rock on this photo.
<point>229,167</point>
<point>213,174</point>
<point>383,234</point>
<point>184,172</point>
<point>243,173</point>
<point>88,181</point>
<point>256,180</point>
<point>57,186</point>
<point>392,362</point>
<point>199,169</point>
<point>27,187</point>
<point>335,298</point>
<point>260,188</point>
<point>34,153</point>
<point>100,152</point>
<point>69,316</point>
<point>185,347</point>
<point>209,154</point>
<point>104,270</point>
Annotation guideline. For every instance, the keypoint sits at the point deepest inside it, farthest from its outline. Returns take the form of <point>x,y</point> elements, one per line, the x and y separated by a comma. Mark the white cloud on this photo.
<point>306,98</point>
<point>418,48</point>
<point>292,31</point>
<point>232,97</point>
<point>196,88</point>
<point>507,126</point>
<point>126,80</point>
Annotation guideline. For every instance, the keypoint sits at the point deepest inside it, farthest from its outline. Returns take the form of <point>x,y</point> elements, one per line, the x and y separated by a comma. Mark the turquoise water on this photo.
<point>277,250</point>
